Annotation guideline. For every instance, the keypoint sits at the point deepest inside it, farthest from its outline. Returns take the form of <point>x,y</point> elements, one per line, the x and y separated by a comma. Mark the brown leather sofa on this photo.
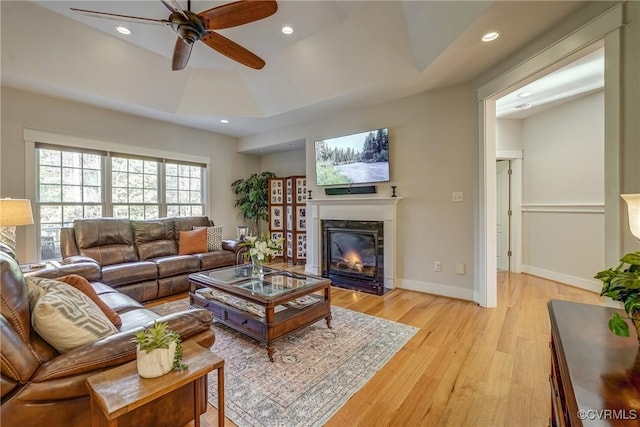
<point>140,258</point>
<point>39,386</point>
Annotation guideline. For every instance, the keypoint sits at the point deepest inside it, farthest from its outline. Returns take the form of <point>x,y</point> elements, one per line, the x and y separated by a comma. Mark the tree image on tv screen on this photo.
<point>353,159</point>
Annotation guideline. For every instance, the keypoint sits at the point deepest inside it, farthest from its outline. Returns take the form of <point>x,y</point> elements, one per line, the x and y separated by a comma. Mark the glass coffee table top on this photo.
<point>275,282</point>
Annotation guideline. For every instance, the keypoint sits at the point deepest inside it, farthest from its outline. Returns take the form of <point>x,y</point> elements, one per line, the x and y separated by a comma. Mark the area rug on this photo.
<point>315,372</point>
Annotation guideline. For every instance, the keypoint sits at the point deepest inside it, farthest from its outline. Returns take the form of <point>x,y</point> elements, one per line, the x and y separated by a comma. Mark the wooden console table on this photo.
<point>595,375</point>
<point>121,390</point>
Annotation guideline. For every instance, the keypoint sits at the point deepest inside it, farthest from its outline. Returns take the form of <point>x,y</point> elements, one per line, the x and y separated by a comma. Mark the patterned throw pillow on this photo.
<point>66,318</point>
<point>214,237</point>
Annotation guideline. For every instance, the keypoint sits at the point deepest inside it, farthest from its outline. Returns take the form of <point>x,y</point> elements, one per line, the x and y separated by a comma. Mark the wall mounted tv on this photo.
<point>353,159</point>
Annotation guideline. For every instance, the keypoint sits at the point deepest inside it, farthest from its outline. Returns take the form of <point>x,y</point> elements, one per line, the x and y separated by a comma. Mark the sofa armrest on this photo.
<point>236,247</point>
<point>119,348</point>
<point>90,270</point>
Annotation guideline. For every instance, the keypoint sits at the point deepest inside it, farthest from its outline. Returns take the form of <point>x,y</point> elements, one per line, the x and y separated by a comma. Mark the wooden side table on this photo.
<point>120,390</point>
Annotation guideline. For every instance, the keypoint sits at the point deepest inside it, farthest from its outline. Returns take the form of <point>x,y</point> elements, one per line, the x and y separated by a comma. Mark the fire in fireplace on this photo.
<point>353,254</point>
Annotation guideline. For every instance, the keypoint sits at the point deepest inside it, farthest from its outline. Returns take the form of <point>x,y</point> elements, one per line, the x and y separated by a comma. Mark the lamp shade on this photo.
<point>633,207</point>
<point>15,212</point>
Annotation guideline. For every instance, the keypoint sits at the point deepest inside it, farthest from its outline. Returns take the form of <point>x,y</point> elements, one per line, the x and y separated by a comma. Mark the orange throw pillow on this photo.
<point>192,242</point>
<point>83,285</point>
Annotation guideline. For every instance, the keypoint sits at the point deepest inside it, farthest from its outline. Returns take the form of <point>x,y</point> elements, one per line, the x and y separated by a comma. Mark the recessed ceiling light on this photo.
<point>123,30</point>
<point>523,106</point>
<point>491,36</point>
<point>225,121</point>
<point>524,94</point>
<point>287,30</point>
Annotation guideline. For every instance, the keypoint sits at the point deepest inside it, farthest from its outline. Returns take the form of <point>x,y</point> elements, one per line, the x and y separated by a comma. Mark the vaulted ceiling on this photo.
<point>342,54</point>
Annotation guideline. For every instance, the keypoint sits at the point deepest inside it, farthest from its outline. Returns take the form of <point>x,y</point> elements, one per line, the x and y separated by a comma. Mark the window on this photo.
<point>134,188</point>
<point>75,183</point>
<point>184,190</point>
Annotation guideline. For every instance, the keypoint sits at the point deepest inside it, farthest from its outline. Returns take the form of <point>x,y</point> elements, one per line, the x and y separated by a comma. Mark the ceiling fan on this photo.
<point>192,27</point>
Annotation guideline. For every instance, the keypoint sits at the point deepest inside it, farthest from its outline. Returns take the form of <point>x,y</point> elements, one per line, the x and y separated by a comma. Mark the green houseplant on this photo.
<point>623,284</point>
<point>252,197</point>
<point>158,350</point>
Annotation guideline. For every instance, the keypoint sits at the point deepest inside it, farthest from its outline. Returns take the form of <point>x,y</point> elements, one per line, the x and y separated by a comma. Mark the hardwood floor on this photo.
<point>467,366</point>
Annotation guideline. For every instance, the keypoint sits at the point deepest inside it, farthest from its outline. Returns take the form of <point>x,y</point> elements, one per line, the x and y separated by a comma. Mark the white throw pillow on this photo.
<point>214,237</point>
<point>66,318</point>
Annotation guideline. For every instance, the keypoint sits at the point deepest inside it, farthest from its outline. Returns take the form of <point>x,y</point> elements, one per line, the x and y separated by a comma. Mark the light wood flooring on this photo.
<point>467,366</point>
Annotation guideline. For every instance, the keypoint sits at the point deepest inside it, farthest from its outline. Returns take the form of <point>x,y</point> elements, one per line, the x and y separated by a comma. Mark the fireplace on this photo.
<point>353,254</point>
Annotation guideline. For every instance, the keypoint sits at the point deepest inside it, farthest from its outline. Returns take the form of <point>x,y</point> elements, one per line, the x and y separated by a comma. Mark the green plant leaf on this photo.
<point>618,326</point>
<point>632,258</point>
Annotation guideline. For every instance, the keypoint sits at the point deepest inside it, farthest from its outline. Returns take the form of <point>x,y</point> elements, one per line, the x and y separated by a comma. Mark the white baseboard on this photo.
<point>592,285</point>
<point>436,289</point>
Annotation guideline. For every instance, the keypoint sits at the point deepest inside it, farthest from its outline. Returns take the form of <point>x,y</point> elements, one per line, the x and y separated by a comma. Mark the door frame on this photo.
<point>605,27</point>
<point>515,232</point>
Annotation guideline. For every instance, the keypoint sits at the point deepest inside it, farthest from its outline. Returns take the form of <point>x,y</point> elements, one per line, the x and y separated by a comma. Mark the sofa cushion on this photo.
<point>154,238</point>
<point>106,240</point>
<point>216,259</point>
<point>131,272</point>
<point>186,223</point>
<point>214,237</point>
<point>83,285</point>
<point>193,242</point>
<point>66,318</point>
<point>177,264</point>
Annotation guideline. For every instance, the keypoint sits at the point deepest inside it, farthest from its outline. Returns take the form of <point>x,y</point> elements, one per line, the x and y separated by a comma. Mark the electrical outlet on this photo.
<point>437,266</point>
<point>457,196</point>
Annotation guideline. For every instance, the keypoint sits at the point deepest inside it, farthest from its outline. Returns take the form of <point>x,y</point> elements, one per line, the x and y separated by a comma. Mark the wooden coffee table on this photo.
<point>266,310</point>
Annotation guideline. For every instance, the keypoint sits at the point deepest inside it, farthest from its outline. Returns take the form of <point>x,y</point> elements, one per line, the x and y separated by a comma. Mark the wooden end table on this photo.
<point>119,391</point>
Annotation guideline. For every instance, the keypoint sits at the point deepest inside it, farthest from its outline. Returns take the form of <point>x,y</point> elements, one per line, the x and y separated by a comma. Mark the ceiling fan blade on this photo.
<point>174,6</point>
<point>238,13</point>
<point>232,50</point>
<point>121,17</point>
<point>181,54</point>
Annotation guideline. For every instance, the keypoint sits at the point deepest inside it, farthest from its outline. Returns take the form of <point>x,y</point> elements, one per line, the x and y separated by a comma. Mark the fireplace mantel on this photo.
<point>357,209</point>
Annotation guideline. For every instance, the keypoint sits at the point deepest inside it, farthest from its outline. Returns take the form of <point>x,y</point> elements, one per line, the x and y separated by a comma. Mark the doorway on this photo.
<point>604,27</point>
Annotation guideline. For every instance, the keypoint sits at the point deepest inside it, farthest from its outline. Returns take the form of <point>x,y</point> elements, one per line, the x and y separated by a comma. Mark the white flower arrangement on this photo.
<point>262,248</point>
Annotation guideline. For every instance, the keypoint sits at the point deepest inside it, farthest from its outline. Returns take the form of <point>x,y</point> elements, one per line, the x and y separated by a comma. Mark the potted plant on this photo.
<point>623,284</point>
<point>158,350</point>
<point>252,197</point>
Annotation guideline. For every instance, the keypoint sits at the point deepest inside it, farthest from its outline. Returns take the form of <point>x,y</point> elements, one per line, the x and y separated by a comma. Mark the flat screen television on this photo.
<point>353,159</point>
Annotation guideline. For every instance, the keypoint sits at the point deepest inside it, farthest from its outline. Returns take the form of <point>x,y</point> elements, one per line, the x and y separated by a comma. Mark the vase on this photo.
<point>155,363</point>
<point>257,270</point>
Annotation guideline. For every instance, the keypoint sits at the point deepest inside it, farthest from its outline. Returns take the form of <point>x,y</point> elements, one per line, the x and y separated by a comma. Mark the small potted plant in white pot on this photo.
<point>158,351</point>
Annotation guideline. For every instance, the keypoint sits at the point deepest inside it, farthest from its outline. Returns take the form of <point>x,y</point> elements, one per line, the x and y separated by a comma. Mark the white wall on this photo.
<point>508,134</point>
<point>22,109</point>
<point>432,153</point>
<point>563,192</point>
<point>287,163</point>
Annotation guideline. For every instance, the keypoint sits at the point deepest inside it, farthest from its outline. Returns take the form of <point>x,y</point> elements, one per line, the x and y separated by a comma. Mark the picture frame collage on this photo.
<point>288,214</point>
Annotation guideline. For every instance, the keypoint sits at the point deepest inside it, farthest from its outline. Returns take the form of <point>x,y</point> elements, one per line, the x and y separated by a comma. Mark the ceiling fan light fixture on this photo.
<point>490,36</point>
<point>123,30</point>
<point>288,30</point>
<point>224,121</point>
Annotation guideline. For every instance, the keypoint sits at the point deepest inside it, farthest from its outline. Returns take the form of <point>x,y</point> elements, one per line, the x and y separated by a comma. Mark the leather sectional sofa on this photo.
<point>141,258</point>
<point>40,386</point>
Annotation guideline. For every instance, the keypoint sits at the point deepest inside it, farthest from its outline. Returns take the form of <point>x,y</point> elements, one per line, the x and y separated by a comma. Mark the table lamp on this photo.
<point>13,212</point>
<point>633,208</point>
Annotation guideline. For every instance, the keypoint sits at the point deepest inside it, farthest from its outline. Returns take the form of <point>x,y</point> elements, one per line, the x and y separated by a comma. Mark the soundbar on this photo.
<point>341,191</point>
